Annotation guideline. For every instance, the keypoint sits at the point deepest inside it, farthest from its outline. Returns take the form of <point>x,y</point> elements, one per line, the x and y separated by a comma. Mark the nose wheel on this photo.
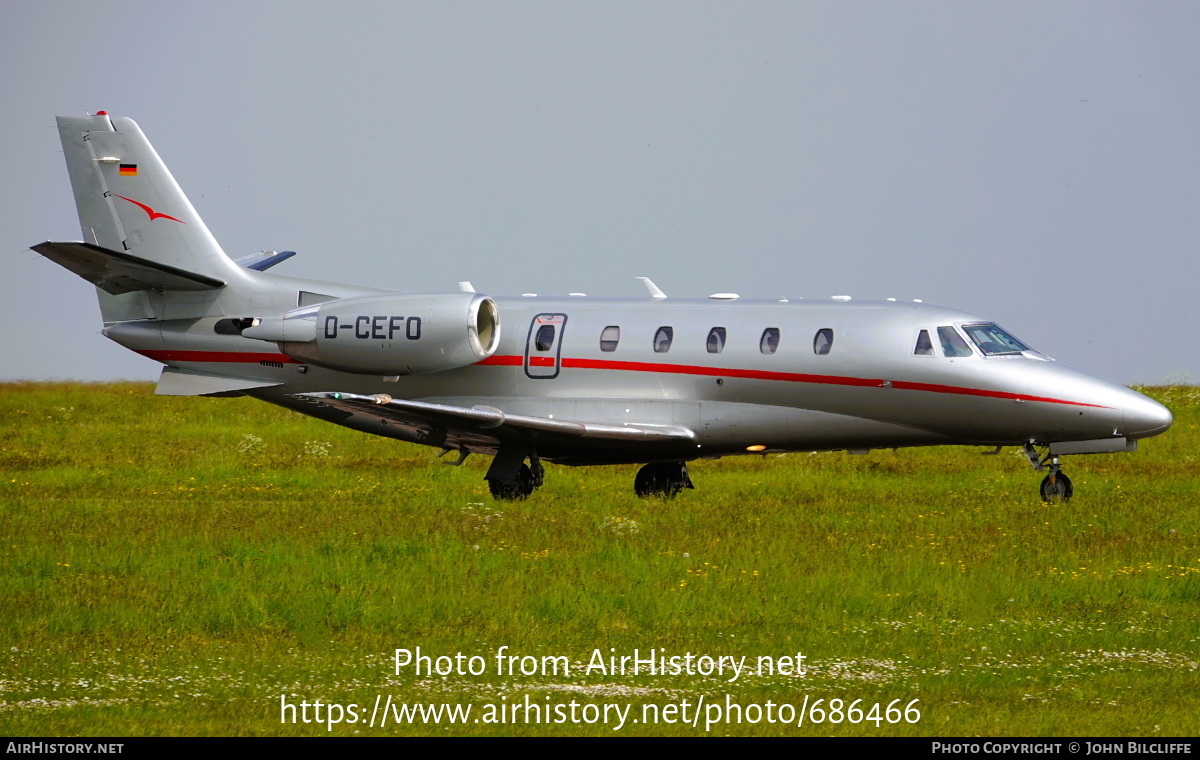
<point>1056,487</point>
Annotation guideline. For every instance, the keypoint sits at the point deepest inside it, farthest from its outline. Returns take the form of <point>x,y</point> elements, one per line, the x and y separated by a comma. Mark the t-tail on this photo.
<point>141,235</point>
<point>168,292</point>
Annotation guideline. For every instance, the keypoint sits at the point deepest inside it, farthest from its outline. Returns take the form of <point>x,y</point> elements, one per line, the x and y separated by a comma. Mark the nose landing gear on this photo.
<point>1056,487</point>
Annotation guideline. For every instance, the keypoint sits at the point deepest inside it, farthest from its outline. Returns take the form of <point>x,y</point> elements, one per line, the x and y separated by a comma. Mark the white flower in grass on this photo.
<point>250,445</point>
<point>621,526</point>
<point>317,449</point>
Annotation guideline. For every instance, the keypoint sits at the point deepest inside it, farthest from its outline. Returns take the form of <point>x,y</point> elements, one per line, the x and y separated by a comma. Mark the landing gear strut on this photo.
<point>664,479</point>
<point>1056,486</point>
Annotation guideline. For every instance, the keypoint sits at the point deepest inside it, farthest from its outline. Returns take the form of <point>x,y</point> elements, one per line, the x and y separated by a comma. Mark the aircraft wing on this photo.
<point>486,425</point>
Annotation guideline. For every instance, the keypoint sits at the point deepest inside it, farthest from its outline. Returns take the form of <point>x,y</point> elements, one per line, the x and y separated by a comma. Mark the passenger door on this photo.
<point>543,346</point>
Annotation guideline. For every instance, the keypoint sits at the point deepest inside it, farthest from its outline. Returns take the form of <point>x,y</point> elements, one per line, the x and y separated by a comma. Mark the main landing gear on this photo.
<point>518,490</point>
<point>665,479</point>
<point>1056,486</point>
<point>510,479</point>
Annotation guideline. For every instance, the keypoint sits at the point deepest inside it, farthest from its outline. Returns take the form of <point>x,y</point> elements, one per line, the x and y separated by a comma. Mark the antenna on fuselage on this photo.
<point>466,287</point>
<point>655,292</point>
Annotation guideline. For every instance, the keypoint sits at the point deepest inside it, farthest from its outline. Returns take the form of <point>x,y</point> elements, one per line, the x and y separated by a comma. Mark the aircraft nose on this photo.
<point>1145,417</point>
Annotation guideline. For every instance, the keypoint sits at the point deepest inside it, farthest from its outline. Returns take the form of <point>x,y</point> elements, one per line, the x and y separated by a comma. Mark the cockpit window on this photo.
<point>924,345</point>
<point>823,341</point>
<point>662,339</point>
<point>716,340</point>
<point>993,341</point>
<point>952,343</point>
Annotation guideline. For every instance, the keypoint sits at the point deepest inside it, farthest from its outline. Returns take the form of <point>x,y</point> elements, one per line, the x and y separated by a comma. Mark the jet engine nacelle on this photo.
<point>387,335</point>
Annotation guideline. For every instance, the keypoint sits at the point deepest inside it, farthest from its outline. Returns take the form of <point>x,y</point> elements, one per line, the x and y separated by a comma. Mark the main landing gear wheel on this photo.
<point>665,479</point>
<point>1056,487</point>
<point>518,491</point>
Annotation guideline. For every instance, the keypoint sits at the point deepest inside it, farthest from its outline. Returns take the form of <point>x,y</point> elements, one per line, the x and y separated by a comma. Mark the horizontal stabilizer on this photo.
<point>117,273</point>
<point>183,382</point>
<point>261,262</point>
<point>482,419</point>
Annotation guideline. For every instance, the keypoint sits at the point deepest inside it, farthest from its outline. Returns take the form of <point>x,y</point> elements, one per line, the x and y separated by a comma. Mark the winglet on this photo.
<point>655,293</point>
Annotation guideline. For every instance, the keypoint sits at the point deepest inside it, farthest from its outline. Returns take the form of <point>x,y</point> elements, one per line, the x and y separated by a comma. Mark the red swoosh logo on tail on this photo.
<point>149,211</point>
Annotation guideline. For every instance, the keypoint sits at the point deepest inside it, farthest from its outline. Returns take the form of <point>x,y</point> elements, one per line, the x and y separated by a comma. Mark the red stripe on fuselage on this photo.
<point>502,361</point>
<point>788,377</point>
<point>671,369</point>
<point>931,388</point>
<point>215,356</point>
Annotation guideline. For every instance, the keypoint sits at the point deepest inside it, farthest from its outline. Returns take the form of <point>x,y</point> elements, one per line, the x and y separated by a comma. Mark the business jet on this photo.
<point>656,381</point>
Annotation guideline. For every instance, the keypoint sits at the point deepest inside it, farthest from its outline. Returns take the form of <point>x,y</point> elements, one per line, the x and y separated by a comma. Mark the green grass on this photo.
<point>173,566</point>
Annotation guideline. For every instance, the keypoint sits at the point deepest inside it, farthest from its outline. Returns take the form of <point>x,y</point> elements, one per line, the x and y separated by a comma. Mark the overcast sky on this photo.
<point>1036,163</point>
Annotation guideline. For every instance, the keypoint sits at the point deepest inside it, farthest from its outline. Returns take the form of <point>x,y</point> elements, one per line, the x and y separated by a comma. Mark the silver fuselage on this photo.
<point>869,391</point>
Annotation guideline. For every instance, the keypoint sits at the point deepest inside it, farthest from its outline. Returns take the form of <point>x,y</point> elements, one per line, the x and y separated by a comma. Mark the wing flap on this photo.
<point>485,419</point>
<point>117,273</point>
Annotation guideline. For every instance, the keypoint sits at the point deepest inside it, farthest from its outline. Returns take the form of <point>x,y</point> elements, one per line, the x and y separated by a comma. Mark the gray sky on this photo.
<point>1036,163</point>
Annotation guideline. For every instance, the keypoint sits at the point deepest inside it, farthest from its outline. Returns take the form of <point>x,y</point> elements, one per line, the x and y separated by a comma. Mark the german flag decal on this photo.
<point>128,170</point>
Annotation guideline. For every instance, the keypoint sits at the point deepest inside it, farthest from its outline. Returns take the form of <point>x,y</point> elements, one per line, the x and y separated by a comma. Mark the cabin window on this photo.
<point>993,341</point>
<point>769,342</point>
<point>544,340</point>
<point>662,339</point>
<point>716,340</point>
<point>823,341</point>
<point>952,343</point>
<point>924,344</point>
<point>609,338</point>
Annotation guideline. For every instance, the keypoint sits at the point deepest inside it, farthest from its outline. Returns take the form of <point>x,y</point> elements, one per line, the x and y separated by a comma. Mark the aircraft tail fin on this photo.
<point>129,203</point>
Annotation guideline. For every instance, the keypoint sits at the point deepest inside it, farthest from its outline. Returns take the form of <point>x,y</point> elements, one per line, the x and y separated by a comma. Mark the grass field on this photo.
<point>176,566</point>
